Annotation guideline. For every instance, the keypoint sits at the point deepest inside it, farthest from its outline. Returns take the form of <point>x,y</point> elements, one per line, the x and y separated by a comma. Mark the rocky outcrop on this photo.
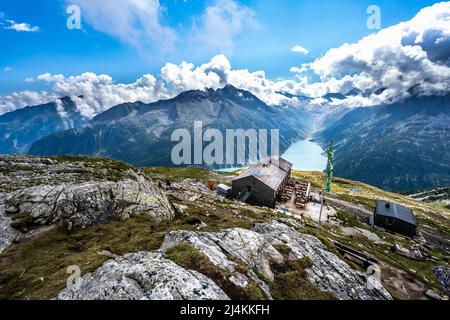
<point>328,272</point>
<point>89,203</point>
<point>247,255</point>
<point>39,193</point>
<point>7,233</point>
<point>19,172</point>
<point>245,246</point>
<point>256,249</point>
<point>143,276</point>
<point>76,192</point>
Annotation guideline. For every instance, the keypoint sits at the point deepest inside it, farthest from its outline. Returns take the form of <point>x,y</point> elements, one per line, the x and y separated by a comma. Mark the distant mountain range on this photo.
<point>140,133</point>
<point>19,129</point>
<point>398,147</point>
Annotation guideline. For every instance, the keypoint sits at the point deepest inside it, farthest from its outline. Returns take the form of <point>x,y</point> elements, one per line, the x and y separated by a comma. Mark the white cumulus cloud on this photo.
<point>411,58</point>
<point>221,23</point>
<point>10,24</point>
<point>408,58</point>
<point>98,92</point>
<point>17,100</point>
<point>218,73</point>
<point>136,22</point>
<point>299,49</point>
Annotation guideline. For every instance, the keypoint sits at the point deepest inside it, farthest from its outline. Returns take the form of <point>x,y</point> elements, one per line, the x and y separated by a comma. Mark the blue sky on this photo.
<point>279,25</point>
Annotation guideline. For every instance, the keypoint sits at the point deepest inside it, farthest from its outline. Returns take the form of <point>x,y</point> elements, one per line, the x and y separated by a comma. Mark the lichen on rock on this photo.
<point>328,272</point>
<point>82,205</point>
<point>143,276</point>
<point>256,249</point>
<point>7,234</point>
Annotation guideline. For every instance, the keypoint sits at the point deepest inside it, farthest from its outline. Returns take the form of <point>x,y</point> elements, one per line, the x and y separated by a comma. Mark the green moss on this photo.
<point>218,218</point>
<point>352,198</point>
<point>283,249</point>
<point>291,283</point>
<point>193,221</point>
<point>177,174</point>
<point>23,265</point>
<point>436,222</point>
<point>37,269</point>
<point>6,171</point>
<point>348,220</point>
<point>24,222</point>
<point>253,292</point>
<point>189,257</point>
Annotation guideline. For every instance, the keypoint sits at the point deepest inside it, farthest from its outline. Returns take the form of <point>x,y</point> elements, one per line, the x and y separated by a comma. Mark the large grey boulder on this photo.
<point>256,249</point>
<point>328,272</point>
<point>85,204</point>
<point>244,245</point>
<point>143,276</point>
<point>7,233</point>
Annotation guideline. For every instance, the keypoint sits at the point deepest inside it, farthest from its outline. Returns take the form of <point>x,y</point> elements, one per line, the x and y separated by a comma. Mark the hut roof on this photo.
<point>395,211</point>
<point>270,171</point>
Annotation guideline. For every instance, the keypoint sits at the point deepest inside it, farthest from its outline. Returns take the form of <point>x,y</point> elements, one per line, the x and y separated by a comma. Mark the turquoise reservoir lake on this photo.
<point>305,155</point>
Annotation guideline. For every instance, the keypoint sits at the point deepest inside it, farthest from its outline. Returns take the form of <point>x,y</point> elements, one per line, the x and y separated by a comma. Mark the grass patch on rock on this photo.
<point>348,220</point>
<point>291,282</point>
<point>190,258</point>
<point>218,217</point>
<point>37,269</point>
<point>23,222</point>
<point>177,174</point>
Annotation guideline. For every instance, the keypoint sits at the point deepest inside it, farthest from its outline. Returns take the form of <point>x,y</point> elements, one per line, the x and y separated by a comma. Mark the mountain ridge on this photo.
<point>139,133</point>
<point>21,127</point>
<point>402,146</point>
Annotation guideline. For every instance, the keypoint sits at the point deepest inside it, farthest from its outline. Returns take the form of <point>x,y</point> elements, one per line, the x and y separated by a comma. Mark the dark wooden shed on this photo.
<point>263,182</point>
<point>396,218</point>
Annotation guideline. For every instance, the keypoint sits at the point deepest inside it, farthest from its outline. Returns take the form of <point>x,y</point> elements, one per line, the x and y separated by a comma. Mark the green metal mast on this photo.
<point>330,167</point>
<point>329,178</point>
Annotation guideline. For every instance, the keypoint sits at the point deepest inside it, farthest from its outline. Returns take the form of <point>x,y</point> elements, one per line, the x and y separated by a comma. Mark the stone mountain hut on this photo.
<point>263,183</point>
<point>396,218</point>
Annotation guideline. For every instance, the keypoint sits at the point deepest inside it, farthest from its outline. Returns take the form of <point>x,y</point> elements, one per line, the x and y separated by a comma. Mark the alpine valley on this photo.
<point>398,147</point>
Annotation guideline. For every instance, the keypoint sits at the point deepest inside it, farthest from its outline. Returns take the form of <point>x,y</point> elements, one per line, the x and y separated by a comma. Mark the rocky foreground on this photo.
<point>135,241</point>
<point>248,257</point>
<point>74,203</point>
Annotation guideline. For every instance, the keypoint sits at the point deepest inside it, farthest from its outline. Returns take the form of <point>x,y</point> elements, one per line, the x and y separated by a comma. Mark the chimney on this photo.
<point>388,205</point>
